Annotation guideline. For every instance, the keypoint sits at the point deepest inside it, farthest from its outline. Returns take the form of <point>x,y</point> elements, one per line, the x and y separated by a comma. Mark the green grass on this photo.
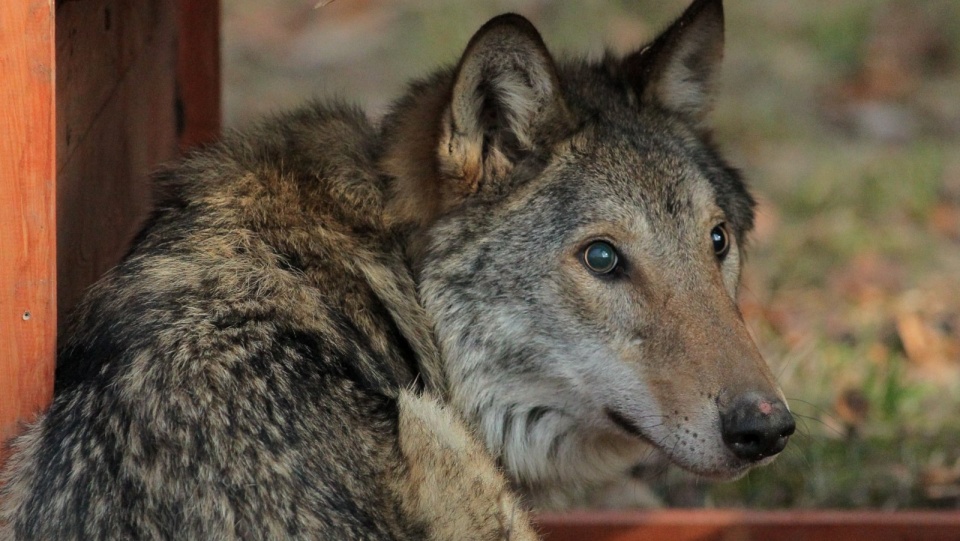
<point>842,473</point>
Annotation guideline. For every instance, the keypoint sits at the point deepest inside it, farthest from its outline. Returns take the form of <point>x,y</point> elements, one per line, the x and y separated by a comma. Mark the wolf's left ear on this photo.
<point>505,102</point>
<point>678,70</point>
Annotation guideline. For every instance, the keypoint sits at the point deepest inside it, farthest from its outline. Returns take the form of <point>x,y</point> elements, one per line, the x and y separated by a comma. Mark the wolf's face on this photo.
<point>583,257</point>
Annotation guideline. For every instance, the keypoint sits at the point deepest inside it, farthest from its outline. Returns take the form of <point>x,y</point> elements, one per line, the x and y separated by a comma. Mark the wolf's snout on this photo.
<point>756,426</point>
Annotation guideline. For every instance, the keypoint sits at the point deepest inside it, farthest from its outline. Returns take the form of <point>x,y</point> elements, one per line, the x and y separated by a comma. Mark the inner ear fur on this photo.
<point>679,69</point>
<point>505,89</point>
<point>501,102</point>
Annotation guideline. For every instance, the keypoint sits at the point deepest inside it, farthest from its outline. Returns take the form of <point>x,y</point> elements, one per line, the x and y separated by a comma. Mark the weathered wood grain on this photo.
<point>198,73</point>
<point>27,228</point>
<point>117,123</point>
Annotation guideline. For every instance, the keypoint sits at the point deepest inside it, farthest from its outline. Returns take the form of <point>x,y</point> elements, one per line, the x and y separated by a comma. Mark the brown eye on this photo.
<point>721,241</point>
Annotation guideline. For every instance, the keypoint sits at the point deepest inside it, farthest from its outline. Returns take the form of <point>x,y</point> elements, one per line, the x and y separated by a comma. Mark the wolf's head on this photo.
<point>580,255</point>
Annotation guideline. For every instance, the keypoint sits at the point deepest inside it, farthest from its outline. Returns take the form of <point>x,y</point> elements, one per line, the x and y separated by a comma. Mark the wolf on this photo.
<point>504,294</point>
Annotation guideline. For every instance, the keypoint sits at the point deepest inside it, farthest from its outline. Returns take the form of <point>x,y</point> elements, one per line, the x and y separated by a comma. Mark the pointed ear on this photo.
<point>505,102</point>
<point>678,70</point>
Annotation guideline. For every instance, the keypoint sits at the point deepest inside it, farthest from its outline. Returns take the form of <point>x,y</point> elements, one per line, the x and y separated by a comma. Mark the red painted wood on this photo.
<point>117,123</point>
<point>137,80</point>
<point>743,525</point>
<point>198,72</point>
<point>27,228</point>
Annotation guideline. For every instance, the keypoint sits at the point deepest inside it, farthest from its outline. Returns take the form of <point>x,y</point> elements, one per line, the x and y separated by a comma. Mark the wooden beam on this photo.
<point>28,306</point>
<point>138,81</point>
<point>198,72</point>
<point>745,525</point>
<point>116,112</point>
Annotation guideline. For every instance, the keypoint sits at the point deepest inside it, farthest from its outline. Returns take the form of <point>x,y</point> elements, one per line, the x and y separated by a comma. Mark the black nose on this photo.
<point>756,426</point>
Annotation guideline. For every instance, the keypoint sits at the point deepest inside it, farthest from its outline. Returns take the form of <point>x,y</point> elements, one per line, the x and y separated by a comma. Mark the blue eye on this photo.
<point>600,257</point>
<point>721,241</point>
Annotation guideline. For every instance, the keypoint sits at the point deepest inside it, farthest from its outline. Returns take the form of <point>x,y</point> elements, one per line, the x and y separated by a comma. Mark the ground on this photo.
<point>845,118</point>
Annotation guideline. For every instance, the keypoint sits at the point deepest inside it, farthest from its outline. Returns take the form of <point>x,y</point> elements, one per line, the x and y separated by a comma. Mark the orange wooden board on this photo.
<point>743,525</point>
<point>27,228</point>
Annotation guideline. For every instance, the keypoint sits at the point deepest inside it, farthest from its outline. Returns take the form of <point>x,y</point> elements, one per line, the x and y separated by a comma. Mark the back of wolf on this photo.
<point>236,377</point>
<point>198,380</point>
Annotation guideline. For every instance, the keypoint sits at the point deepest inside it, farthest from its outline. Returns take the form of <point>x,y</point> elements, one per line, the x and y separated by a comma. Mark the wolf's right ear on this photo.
<point>502,102</point>
<point>505,101</point>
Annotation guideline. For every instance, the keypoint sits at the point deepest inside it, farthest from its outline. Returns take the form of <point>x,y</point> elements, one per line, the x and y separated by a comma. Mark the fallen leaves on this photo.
<point>868,279</point>
<point>928,345</point>
<point>941,483</point>
<point>852,407</point>
<point>945,220</point>
<point>905,45</point>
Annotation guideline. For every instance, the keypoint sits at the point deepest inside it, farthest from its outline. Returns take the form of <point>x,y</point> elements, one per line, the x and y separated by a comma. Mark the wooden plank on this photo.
<point>198,72</point>
<point>27,227</point>
<point>743,525</point>
<point>116,80</point>
<point>98,42</point>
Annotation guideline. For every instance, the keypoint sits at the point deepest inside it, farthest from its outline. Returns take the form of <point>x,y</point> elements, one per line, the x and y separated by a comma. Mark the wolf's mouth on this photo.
<point>621,421</point>
<point>727,472</point>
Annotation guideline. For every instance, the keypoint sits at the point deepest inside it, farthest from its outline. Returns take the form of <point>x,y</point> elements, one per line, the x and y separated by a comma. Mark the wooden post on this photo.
<point>138,80</point>
<point>116,123</point>
<point>135,81</point>
<point>746,525</point>
<point>28,304</point>
<point>198,73</point>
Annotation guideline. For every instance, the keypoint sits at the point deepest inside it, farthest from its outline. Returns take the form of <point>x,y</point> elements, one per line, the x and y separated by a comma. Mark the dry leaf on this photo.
<point>927,346</point>
<point>945,220</point>
<point>852,407</point>
<point>940,482</point>
<point>868,279</point>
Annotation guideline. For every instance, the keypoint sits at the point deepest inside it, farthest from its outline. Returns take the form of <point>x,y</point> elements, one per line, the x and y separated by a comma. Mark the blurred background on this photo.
<point>844,117</point>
